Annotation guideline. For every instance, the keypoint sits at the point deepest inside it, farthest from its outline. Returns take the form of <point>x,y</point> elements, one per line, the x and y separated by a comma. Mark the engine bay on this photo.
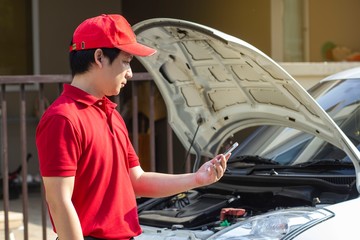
<point>236,198</point>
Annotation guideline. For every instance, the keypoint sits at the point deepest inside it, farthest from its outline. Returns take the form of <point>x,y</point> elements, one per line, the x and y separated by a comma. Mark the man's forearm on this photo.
<point>152,184</point>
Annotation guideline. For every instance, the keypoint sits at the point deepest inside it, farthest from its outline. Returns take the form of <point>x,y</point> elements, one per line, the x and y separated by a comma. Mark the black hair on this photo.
<point>80,61</point>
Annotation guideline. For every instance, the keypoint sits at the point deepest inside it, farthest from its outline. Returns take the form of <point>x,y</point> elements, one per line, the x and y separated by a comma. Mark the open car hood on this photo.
<point>214,85</point>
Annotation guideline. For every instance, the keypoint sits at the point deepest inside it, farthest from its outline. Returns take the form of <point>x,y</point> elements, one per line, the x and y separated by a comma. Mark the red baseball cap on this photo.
<point>108,31</point>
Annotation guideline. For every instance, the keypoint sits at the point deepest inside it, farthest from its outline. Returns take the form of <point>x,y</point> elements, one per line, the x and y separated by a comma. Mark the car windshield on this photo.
<point>287,146</point>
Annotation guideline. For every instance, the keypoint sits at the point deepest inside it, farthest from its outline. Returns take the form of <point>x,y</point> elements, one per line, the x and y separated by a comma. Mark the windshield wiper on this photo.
<point>251,159</point>
<point>251,163</point>
<point>256,163</point>
<point>324,162</point>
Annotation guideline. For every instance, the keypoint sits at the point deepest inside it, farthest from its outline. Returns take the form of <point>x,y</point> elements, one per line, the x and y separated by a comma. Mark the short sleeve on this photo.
<point>58,146</point>
<point>133,158</point>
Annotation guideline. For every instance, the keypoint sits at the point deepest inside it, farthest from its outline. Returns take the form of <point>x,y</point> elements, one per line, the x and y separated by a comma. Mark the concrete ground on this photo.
<point>35,225</point>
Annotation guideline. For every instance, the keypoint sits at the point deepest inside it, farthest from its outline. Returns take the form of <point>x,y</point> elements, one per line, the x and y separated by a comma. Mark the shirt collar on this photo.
<point>81,96</point>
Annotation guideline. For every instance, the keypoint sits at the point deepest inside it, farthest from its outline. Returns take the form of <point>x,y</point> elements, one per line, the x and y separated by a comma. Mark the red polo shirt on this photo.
<point>82,136</point>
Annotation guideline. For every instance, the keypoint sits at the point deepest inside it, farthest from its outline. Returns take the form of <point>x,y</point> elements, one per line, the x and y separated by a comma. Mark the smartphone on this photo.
<point>231,148</point>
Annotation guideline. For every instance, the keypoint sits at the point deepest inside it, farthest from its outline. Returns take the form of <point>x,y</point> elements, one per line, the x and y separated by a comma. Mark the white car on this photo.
<point>295,174</point>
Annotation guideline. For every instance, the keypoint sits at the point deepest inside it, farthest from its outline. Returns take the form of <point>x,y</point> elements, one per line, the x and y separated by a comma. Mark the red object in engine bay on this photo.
<point>232,213</point>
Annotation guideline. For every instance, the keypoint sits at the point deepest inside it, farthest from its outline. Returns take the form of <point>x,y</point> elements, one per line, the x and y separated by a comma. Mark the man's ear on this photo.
<point>98,56</point>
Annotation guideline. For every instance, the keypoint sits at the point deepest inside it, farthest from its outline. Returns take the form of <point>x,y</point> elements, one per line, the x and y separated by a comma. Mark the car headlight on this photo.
<point>281,224</point>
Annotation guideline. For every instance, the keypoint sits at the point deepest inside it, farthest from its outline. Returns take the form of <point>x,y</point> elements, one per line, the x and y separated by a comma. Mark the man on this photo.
<point>90,170</point>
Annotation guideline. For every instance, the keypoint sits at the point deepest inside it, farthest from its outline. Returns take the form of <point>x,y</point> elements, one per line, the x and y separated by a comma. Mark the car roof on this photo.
<point>352,73</point>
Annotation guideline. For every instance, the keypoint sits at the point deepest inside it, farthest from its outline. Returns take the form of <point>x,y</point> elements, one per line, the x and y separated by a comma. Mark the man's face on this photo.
<point>117,73</point>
